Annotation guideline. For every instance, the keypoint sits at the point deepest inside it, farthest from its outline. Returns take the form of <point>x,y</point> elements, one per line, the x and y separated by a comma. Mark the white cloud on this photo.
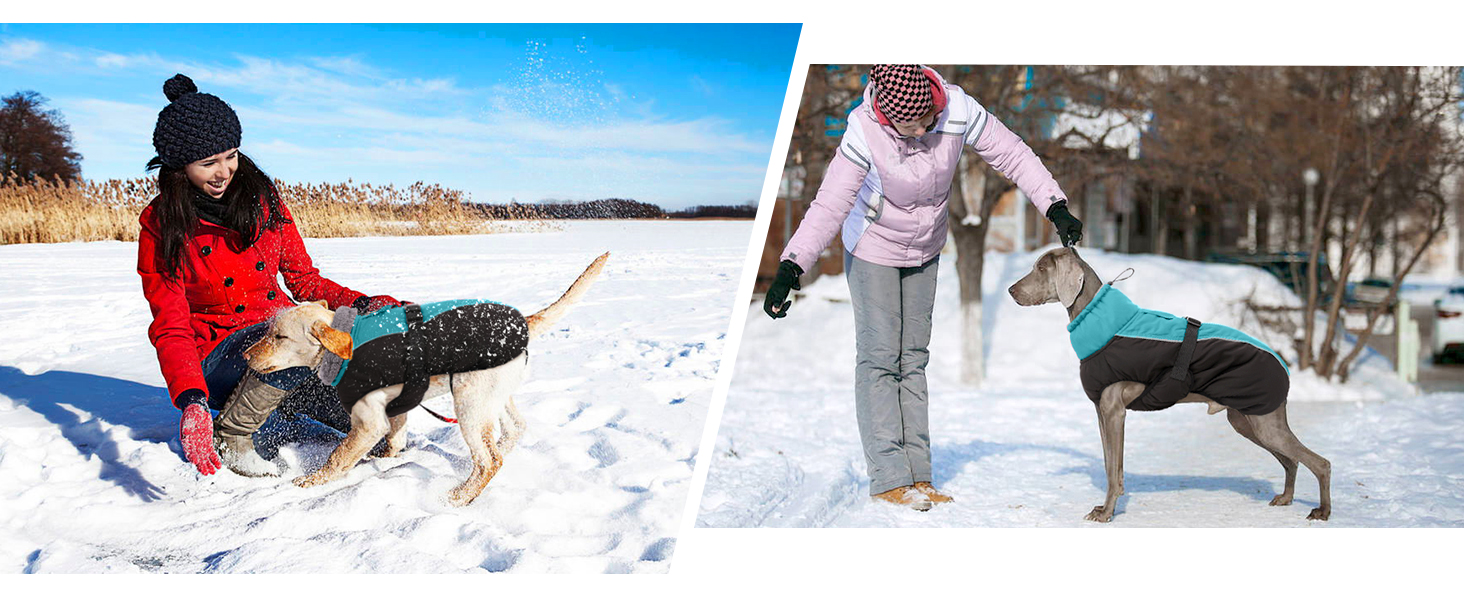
<point>345,65</point>
<point>320,116</point>
<point>114,138</point>
<point>19,49</point>
<point>109,60</point>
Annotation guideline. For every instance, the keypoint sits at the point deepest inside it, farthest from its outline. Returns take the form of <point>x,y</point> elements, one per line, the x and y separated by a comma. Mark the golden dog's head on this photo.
<point>298,337</point>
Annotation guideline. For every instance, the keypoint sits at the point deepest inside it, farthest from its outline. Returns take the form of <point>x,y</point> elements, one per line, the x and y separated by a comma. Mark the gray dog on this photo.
<point>1138,359</point>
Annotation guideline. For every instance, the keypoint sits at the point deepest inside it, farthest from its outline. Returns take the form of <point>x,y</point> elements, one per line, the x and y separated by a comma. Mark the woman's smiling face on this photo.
<point>212,174</point>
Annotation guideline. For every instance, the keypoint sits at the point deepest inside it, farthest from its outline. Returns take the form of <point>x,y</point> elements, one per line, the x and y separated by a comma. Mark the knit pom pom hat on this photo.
<point>193,125</point>
<point>902,92</point>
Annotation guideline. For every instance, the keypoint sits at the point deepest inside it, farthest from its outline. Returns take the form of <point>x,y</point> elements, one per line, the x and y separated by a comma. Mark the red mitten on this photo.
<point>196,432</point>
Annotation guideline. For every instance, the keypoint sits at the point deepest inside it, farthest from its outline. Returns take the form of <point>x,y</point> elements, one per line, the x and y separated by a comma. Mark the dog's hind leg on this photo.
<point>478,434</point>
<point>368,425</point>
<point>1243,427</point>
<point>1274,433</point>
<point>480,399</point>
<point>1111,408</point>
<point>513,426</point>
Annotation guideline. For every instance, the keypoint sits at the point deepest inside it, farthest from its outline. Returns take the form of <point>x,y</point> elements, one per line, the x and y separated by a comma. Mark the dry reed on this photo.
<point>38,211</point>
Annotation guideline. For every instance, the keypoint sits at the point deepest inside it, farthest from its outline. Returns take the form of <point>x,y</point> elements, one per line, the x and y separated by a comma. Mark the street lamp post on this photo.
<point>1310,176</point>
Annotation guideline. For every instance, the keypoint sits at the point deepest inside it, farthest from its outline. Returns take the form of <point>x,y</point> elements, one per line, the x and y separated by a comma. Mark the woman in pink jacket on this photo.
<point>885,192</point>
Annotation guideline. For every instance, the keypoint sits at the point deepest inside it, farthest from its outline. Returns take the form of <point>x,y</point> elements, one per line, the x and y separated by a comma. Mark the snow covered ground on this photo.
<point>1024,450</point>
<point>92,478</point>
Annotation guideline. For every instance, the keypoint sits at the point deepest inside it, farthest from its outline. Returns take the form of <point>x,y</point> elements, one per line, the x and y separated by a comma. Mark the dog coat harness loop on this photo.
<point>415,386</point>
<point>1186,349</point>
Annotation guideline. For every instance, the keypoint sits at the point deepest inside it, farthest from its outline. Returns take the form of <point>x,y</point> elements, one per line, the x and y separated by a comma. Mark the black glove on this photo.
<point>1069,229</point>
<point>775,303</point>
<point>370,304</point>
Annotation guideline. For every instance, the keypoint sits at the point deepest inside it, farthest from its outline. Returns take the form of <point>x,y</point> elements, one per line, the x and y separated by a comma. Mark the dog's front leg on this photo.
<point>368,425</point>
<point>1111,408</point>
<point>396,439</point>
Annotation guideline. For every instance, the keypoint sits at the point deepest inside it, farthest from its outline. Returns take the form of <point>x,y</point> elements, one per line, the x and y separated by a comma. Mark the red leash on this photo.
<point>434,413</point>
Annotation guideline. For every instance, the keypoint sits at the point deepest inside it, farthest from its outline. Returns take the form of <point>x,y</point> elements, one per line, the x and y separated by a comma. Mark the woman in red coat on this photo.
<point>211,245</point>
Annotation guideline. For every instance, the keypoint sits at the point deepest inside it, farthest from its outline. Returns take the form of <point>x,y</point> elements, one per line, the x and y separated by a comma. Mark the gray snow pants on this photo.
<point>892,308</point>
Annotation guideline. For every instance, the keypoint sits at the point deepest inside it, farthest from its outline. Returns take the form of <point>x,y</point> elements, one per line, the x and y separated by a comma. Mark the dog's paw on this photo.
<point>1101,514</point>
<point>461,498</point>
<point>1319,514</point>
<point>1281,500</point>
<point>386,451</point>
<point>311,480</point>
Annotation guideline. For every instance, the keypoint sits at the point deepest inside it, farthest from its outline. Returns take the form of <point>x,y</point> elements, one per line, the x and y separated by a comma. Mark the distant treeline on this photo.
<point>609,208</point>
<point>737,211</point>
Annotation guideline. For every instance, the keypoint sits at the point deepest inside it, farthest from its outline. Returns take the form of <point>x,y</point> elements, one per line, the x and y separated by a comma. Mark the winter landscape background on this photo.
<point>1024,450</point>
<point>92,478</point>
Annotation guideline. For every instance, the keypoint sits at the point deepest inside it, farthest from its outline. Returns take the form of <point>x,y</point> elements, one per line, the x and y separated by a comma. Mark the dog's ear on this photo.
<point>1068,277</point>
<point>336,341</point>
<point>322,303</point>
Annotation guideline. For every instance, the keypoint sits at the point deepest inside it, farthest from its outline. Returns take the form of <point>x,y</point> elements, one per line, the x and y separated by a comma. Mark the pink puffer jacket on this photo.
<point>887,194</point>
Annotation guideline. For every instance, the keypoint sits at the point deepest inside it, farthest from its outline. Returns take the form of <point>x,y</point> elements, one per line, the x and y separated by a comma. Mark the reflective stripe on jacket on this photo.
<point>887,195</point>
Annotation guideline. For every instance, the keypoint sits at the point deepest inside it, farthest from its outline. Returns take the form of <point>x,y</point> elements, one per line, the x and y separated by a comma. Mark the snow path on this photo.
<point>1024,450</point>
<point>92,479</point>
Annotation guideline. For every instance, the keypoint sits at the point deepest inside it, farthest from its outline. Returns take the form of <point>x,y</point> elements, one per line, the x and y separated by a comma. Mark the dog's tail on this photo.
<point>541,321</point>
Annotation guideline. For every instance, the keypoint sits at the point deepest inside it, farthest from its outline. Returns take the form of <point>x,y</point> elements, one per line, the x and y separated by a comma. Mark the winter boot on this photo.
<point>906,496</point>
<point>251,403</point>
<point>930,492</point>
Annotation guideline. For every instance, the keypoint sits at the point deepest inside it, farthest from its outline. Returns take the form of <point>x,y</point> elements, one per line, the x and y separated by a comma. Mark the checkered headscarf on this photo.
<point>902,91</point>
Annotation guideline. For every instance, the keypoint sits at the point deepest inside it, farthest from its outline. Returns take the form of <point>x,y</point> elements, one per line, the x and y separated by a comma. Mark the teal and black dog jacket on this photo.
<point>406,344</point>
<point>1118,341</point>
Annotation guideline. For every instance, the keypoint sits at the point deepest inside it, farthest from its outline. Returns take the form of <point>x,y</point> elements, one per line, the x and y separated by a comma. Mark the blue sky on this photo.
<point>677,115</point>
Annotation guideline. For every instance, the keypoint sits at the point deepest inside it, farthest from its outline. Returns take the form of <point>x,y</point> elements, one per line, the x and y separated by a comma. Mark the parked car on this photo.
<point>1448,326</point>
<point>1289,267</point>
<point>1369,293</point>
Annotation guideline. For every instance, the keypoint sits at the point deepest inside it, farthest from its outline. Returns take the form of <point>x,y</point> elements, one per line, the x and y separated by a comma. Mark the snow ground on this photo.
<point>1024,451</point>
<point>92,478</point>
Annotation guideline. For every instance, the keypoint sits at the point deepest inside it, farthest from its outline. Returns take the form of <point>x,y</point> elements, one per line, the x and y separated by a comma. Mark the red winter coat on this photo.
<point>222,289</point>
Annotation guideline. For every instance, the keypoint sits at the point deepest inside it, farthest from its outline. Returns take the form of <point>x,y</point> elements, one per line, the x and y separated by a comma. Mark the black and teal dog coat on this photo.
<point>407,344</point>
<point>1118,341</point>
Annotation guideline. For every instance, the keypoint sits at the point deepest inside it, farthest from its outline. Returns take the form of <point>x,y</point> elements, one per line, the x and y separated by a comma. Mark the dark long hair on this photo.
<point>177,217</point>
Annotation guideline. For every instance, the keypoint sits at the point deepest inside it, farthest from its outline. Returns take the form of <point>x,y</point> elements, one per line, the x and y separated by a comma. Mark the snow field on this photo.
<point>92,478</point>
<point>1024,450</point>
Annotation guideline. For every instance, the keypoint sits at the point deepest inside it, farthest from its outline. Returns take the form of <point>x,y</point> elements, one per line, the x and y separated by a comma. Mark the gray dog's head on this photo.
<point>1057,277</point>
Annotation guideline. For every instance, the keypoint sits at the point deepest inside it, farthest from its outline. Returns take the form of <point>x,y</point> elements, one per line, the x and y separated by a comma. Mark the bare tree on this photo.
<point>1376,135</point>
<point>1218,143</point>
<point>1026,100</point>
<point>35,143</point>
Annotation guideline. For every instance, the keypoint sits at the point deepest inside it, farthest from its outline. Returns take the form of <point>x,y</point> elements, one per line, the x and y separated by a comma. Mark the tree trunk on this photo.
<point>1308,315</point>
<point>1191,222</point>
<point>1157,223</point>
<point>1344,367</point>
<point>970,241</point>
<point>1326,359</point>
